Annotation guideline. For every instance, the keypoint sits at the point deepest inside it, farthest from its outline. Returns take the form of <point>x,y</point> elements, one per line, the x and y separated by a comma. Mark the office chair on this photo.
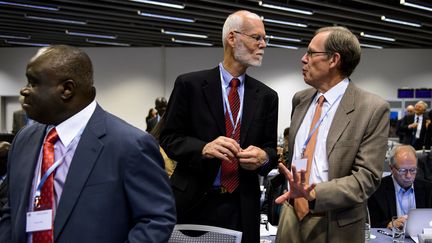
<point>212,234</point>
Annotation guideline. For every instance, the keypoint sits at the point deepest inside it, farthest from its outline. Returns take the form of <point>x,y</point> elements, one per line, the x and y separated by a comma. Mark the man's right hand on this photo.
<point>399,221</point>
<point>222,148</point>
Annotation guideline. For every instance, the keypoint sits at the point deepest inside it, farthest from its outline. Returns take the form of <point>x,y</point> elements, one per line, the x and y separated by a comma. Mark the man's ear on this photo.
<point>67,89</point>
<point>335,60</point>
<point>230,39</point>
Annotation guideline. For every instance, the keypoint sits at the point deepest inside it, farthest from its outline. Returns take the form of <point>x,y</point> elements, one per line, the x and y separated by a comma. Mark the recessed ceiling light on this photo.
<point>183,34</point>
<point>191,42</point>
<point>288,9</point>
<point>90,35</point>
<point>397,21</point>
<point>414,5</point>
<point>159,16</point>
<point>282,46</point>
<point>67,21</point>
<point>378,37</point>
<point>160,3</point>
<point>371,46</point>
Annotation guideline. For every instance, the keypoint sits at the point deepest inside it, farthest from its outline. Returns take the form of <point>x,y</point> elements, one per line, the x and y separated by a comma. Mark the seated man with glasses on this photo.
<point>400,191</point>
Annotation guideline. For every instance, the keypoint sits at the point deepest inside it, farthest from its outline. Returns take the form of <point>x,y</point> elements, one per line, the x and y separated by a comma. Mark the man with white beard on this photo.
<point>221,128</point>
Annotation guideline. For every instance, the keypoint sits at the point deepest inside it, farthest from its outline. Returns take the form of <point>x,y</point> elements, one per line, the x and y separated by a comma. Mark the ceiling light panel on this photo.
<point>26,5</point>
<point>167,32</point>
<point>398,21</point>
<point>191,42</point>
<point>282,46</point>
<point>90,35</point>
<point>66,21</point>
<point>167,17</point>
<point>161,3</point>
<point>275,21</point>
<point>284,8</point>
<point>377,37</point>
<point>415,5</point>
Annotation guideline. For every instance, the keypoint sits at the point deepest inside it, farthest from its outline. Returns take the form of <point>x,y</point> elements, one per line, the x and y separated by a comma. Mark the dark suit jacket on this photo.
<point>116,189</point>
<point>382,204</point>
<point>408,132</point>
<point>194,117</point>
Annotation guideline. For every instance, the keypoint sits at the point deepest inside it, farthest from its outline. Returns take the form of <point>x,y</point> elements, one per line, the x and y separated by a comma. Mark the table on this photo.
<point>380,238</point>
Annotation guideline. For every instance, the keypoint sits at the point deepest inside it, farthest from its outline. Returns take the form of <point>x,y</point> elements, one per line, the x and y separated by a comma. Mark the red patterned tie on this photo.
<point>229,175</point>
<point>300,204</point>
<point>47,193</point>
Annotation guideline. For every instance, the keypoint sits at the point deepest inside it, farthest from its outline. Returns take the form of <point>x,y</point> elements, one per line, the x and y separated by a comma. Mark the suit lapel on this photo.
<point>341,118</point>
<point>250,102</point>
<point>84,159</point>
<point>27,165</point>
<point>390,195</point>
<point>212,91</point>
<point>298,115</point>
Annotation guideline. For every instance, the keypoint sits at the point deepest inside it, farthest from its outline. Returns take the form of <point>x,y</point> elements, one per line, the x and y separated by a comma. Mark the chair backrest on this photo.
<point>209,234</point>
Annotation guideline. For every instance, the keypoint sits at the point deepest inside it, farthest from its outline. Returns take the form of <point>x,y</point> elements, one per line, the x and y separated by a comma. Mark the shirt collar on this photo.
<point>226,76</point>
<point>73,126</point>
<point>332,94</point>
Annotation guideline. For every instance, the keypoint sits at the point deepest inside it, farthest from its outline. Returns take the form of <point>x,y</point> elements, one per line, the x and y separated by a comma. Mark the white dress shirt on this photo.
<point>319,168</point>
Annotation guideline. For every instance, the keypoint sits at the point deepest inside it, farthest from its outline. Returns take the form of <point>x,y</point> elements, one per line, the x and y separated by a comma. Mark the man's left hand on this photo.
<point>297,183</point>
<point>252,158</point>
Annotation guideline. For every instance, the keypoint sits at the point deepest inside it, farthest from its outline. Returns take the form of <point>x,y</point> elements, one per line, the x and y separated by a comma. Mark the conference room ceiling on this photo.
<point>107,23</point>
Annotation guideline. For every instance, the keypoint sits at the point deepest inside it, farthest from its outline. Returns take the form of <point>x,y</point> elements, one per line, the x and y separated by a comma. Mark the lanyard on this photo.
<point>37,196</point>
<point>228,109</point>
<point>316,126</point>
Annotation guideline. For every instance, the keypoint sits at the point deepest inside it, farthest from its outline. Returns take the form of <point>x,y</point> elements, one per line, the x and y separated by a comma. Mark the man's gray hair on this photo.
<point>394,152</point>
<point>235,22</point>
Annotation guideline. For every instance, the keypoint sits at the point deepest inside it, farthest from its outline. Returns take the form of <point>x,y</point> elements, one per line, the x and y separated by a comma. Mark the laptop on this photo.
<point>418,219</point>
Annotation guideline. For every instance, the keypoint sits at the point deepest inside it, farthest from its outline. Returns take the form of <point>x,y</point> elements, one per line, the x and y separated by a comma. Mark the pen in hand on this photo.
<point>384,232</point>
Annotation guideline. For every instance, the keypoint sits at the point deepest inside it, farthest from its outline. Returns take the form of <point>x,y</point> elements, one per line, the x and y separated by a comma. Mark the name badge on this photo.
<point>300,164</point>
<point>39,220</point>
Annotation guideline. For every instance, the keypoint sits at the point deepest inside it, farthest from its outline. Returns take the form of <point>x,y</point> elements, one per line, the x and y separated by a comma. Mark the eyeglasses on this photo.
<point>310,53</point>
<point>257,38</point>
<point>403,171</point>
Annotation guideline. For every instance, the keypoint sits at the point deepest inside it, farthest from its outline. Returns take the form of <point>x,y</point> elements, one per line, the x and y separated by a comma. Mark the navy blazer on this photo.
<point>382,204</point>
<point>194,117</point>
<point>116,189</point>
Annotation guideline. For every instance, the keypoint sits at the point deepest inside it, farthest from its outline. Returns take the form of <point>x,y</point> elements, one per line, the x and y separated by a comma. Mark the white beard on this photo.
<point>242,55</point>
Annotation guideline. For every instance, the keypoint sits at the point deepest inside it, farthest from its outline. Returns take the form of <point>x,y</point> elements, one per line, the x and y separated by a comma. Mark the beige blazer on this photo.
<point>356,147</point>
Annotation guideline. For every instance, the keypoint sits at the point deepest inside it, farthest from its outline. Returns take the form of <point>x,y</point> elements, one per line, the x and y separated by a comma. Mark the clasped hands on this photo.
<point>225,148</point>
<point>298,186</point>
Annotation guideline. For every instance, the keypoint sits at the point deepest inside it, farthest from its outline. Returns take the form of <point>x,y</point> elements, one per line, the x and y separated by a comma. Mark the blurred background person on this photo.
<point>400,191</point>
<point>4,149</point>
<point>409,110</point>
<point>20,118</point>
<point>169,163</point>
<point>151,114</point>
<point>160,106</point>
<point>413,126</point>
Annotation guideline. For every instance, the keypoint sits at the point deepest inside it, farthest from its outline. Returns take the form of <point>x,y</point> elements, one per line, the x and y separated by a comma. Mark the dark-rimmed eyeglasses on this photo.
<point>257,38</point>
<point>310,53</point>
<point>404,171</point>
